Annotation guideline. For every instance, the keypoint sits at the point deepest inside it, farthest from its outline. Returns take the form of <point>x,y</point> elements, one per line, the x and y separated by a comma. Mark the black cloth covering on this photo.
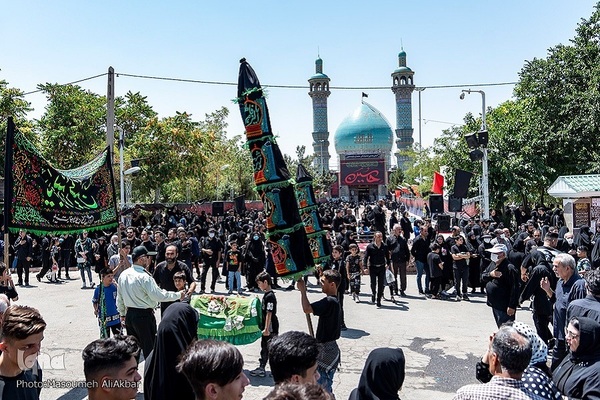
<point>382,377</point>
<point>176,331</point>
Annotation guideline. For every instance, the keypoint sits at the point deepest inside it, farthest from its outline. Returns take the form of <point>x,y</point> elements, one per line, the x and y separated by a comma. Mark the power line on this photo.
<point>70,83</point>
<point>203,82</point>
<point>440,122</point>
<point>307,87</point>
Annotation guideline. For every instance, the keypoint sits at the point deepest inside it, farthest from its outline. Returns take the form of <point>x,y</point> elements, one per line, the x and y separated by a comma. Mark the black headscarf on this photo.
<point>176,331</point>
<point>584,238</point>
<point>589,340</point>
<point>382,377</point>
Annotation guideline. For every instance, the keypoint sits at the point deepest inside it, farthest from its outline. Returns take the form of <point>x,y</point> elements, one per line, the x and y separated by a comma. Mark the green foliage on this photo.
<point>13,104</point>
<point>396,178</point>
<point>72,128</point>
<point>174,153</point>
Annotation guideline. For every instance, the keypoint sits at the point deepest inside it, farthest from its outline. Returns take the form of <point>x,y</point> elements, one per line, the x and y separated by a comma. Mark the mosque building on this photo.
<point>364,139</point>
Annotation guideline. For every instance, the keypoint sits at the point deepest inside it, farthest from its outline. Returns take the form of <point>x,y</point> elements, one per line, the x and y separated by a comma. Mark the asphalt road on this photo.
<point>442,340</point>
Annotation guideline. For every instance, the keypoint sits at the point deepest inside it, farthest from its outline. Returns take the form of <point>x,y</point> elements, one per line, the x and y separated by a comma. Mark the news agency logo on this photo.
<point>41,360</point>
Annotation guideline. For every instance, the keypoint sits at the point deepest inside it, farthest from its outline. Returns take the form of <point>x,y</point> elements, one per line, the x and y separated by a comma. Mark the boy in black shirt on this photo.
<point>354,268</point>
<point>436,270</point>
<point>337,263</point>
<point>329,327</point>
<point>269,322</point>
<point>233,258</point>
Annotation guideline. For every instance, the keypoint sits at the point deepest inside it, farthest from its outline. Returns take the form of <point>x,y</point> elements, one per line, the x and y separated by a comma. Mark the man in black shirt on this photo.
<point>460,255</point>
<point>502,286</point>
<point>164,272</point>
<point>211,254</point>
<point>379,218</point>
<point>377,259</point>
<point>399,254</point>
<point>24,254</point>
<point>420,249</point>
<point>329,327</point>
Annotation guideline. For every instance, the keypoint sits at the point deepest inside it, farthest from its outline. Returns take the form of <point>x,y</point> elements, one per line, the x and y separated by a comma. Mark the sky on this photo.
<point>448,43</point>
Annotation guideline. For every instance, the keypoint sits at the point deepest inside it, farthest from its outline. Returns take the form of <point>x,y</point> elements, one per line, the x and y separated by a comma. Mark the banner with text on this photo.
<point>43,199</point>
<point>362,172</point>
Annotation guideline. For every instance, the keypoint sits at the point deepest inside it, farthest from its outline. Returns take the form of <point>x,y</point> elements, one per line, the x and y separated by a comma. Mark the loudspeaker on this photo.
<point>462,180</point>
<point>240,204</point>
<point>436,203</point>
<point>455,204</point>
<point>218,208</point>
<point>443,223</point>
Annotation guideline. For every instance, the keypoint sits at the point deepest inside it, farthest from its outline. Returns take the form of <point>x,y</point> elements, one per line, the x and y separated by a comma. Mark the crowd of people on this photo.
<point>163,259</point>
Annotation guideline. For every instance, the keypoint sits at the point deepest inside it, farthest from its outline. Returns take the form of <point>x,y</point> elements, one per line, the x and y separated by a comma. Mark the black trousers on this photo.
<point>64,262</point>
<point>23,266</point>
<point>541,323</point>
<point>399,268</point>
<point>377,275</point>
<point>215,276</point>
<point>141,323</point>
<point>461,278</point>
<point>435,285</point>
<point>340,296</point>
<point>264,349</point>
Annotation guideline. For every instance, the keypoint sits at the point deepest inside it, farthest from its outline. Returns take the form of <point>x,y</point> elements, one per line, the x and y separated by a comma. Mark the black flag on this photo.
<point>364,94</point>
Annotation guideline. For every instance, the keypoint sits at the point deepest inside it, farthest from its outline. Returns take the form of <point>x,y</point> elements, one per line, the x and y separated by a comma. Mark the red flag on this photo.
<point>438,183</point>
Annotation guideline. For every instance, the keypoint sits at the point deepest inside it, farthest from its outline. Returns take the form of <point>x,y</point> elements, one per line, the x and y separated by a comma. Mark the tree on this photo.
<point>562,101</point>
<point>72,128</point>
<point>177,154</point>
<point>13,104</point>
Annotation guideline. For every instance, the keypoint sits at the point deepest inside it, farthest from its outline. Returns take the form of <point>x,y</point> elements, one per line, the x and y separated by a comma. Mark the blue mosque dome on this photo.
<point>365,130</point>
<point>403,69</point>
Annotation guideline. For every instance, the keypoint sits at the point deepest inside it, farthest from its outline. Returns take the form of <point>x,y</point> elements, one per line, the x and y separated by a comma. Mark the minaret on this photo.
<point>319,92</point>
<point>403,87</point>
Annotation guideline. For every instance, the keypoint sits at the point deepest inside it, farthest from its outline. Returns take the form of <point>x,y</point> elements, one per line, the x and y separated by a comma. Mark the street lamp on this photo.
<point>484,180</point>
<point>121,166</point>
<point>419,90</point>
<point>128,174</point>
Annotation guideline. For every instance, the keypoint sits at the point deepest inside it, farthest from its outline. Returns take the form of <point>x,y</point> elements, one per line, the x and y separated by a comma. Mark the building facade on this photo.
<point>364,139</point>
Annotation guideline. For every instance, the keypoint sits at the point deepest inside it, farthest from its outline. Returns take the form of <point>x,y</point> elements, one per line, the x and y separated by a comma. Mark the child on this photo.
<point>52,275</point>
<point>269,322</point>
<point>105,304</point>
<point>436,267</point>
<point>181,284</point>
<point>233,258</point>
<point>583,263</point>
<point>338,264</point>
<point>7,286</point>
<point>329,326</point>
<point>354,268</point>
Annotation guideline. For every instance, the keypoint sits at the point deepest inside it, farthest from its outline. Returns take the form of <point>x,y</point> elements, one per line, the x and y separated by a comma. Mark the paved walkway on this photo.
<point>441,339</point>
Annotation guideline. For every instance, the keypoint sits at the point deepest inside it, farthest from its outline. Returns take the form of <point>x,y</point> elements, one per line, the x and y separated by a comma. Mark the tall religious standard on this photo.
<point>319,92</point>
<point>403,86</point>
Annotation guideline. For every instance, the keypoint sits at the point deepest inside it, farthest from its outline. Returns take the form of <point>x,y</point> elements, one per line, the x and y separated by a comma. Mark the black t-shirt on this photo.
<point>164,277</point>
<point>456,249</point>
<point>433,262</point>
<point>14,389</point>
<point>269,304</point>
<point>213,244</point>
<point>328,311</point>
<point>233,260</point>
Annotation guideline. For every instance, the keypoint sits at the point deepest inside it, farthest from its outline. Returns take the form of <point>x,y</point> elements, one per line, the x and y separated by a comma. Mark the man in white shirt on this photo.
<point>137,296</point>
